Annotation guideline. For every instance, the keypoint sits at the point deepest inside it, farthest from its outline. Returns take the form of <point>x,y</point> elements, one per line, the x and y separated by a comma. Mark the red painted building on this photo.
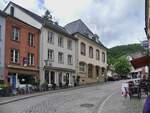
<point>21,52</point>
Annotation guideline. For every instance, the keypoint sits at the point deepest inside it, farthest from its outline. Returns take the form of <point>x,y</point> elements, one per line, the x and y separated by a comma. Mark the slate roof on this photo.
<point>78,26</point>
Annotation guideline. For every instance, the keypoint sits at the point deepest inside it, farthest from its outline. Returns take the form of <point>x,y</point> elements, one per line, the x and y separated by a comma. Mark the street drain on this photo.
<point>87,105</point>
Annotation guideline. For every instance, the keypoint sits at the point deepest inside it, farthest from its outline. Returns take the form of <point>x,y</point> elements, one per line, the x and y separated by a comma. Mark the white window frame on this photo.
<point>14,58</point>
<point>16,33</point>
<point>69,44</point>
<point>91,52</point>
<point>31,39</point>
<point>50,55</point>
<point>60,41</point>
<point>30,59</point>
<point>70,60</point>
<point>83,48</point>
<point>60,58</point>
<point>51,37</point>
<point>82,68</point>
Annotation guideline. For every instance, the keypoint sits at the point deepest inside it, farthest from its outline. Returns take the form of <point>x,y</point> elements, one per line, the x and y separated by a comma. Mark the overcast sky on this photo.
<point>117,22</point>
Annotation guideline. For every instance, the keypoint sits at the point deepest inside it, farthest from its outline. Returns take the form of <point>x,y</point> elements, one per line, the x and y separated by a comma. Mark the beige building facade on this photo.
<point>91,55</point>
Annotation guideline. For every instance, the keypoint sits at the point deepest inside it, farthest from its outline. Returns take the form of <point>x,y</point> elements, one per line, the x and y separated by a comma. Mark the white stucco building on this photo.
<point>2,44</point>
<point>57,56</point>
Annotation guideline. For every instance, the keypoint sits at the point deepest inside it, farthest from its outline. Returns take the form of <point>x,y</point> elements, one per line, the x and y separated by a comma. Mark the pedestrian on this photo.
<point>146,108</point>
<point>125,89</point>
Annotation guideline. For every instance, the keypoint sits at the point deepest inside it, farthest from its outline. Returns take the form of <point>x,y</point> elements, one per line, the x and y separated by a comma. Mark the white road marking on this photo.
<point>102,105</point>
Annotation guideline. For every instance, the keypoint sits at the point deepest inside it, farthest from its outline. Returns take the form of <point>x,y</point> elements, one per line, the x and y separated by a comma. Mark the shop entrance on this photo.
<point>52,77</point>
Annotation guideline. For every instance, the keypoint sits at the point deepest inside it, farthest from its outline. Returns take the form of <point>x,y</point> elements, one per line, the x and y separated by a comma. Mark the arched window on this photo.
<point>83,49</point>
<point>90,52</point>
<point>82,67</point>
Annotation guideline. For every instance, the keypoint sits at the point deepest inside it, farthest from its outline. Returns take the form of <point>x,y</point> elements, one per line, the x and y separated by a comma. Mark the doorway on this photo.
<point>90,70</point>
<point>52,77</point>
<point>60,79</point>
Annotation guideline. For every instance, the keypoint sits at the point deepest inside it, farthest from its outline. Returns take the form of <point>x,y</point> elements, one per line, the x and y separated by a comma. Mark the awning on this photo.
<point>140,62</point>
<point>137,70</point>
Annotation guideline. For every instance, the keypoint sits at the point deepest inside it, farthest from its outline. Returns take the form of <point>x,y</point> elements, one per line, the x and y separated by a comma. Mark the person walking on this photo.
<point>146,108</point>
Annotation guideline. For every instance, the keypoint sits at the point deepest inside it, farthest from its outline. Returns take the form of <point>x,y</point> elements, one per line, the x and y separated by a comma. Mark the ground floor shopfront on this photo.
<point>90,73</point>
<point>59,76</point>
<point>18,77</point>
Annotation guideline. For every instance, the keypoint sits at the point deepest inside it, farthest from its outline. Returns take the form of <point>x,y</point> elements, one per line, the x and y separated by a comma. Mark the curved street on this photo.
<point>104,98</point>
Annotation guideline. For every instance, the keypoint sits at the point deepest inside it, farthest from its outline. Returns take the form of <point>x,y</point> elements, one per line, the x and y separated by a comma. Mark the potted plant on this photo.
<point>4,90</point>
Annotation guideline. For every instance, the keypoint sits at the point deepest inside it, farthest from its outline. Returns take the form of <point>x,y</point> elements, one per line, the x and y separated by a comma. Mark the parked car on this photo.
<point>25,88</point>
<point>110,79</point>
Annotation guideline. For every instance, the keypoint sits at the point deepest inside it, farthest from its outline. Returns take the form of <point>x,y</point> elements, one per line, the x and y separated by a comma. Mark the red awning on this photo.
<point>140,62</point>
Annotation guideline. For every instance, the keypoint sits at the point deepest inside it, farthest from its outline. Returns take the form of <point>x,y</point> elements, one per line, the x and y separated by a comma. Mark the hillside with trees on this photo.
<point>119,51</point>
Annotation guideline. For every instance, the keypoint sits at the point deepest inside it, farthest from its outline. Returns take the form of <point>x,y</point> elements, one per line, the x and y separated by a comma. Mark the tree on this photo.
<point>47,16</point>
<point>122,66</point>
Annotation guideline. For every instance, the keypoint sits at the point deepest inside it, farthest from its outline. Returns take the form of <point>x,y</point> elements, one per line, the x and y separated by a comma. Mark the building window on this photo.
<point>82,67</point>
<point>0,32</point>
<point>97,55</point>
<point>103,57</point>
<point>12,11</point>
<point>51,55</point>
<point>30,59</point>
<point>70,60</point>
<point>15,55</point>
<point>16,33</point>
<point>69,44</point>
<point>60,57</point>
<point>51,37</point>
<point>60,41</point>
<point>31,39</point>
<point>83,49</point>
<point>90,52</point>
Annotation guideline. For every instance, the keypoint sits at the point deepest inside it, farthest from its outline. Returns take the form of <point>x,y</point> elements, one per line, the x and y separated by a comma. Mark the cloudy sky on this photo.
<point>116,22</point>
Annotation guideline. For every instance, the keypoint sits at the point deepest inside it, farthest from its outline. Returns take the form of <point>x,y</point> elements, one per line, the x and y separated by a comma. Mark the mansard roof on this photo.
<point>78,26</point>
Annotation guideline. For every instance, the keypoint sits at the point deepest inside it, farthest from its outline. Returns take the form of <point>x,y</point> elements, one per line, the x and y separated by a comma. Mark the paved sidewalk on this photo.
<point>5,100</point>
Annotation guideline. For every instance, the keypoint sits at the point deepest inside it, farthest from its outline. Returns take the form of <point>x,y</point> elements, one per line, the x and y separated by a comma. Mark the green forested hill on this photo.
<point>124,50</point>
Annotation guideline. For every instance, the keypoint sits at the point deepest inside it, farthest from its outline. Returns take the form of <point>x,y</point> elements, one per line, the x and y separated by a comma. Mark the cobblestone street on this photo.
<point>96,99</point>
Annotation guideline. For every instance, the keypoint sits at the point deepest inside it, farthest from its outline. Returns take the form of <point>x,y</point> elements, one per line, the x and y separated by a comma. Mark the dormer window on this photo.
<point>12,11</point>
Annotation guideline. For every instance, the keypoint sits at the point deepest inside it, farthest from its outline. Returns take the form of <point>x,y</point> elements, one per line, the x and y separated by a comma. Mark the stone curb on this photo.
<point>47,92</point>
